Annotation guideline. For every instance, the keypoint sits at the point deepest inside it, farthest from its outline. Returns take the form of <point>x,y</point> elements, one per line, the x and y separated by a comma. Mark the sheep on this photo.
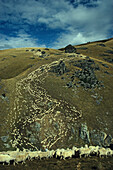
<point>76,151</point>
<point>58,153</point>
<point>5,158</point>
<point>67,154</point>
<point>43,155</point>
<point>84,151</point>
<point>109,152</point>
<point>32,155</point>
<point>21,157</point>
<point>94,149</point>
<point>51,153</point>
<point>105,152</point>
<point>102,152</point>
<point>13,153</point>
<point>74,148</point>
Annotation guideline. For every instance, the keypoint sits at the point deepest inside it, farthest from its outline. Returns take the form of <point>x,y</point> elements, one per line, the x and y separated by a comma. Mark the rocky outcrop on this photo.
<point>86,74</point>
<point>70,49</point>
<point>94,137</point>
<point>84,133</point>
<point>59,68</point>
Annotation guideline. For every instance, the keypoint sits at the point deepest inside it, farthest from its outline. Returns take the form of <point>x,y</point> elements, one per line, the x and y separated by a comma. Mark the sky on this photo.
<point>54,24</point>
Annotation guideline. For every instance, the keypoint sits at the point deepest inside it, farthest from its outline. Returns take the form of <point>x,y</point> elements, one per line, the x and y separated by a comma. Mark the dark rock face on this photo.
<point>70,49</point>
<point>97,138</point>
<point>108,140</point>
<point>94,137</point>
<point>60,69</point>
<point>84,133</point>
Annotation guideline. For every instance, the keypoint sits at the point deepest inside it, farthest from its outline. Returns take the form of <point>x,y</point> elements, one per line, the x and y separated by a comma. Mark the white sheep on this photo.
<point>58,153</point>
<point>51,153</point>
<point>74,148</point>
<point>67,154</point>
<point>84,151</point>
<point>32,155</point>
<point>109,152</point>
<point>43,155</point>
<point>94,149</point>
<point>5,158</point>
<point>102,152</point>
<point>21,157</point>
<point>13,153</point>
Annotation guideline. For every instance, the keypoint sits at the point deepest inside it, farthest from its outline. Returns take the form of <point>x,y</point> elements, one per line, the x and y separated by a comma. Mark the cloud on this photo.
<point>75,38</point>
<point>85,24</point>
<point>77,21</point>
<point>22,39</point>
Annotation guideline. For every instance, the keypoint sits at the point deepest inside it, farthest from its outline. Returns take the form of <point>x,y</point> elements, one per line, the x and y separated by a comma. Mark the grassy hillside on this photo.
<point>52,99</point>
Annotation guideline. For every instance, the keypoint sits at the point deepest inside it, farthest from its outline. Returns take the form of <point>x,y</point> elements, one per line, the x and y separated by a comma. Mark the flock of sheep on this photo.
<point>20,156</point>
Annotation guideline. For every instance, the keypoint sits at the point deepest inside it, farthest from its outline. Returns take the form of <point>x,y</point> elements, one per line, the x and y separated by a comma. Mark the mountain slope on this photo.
<point>51,99</point>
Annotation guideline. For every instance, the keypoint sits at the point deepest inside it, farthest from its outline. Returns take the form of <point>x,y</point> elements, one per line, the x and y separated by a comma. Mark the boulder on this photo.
<point>70,49</point>
<point>108,140</point>
<point>32,49</point>
<point>84,133</point>
<point>39,50</point>
<point>43,52</point>
<point>102,45</point>
<point>69,84</point>
<point>105,65</point>
<point>98,137</point>
<point>4,138</point>
<point>46,49</point>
